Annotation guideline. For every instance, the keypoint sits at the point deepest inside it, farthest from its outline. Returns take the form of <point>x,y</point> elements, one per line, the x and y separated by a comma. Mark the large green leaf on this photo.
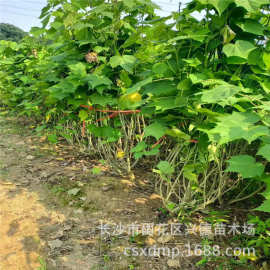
<point>105,132</point>
<point>200,36</point>
<point>63,89</point>
<point>220,5</point>
<point>266,60</point>
<point>237,126</point>
<point>56,25</point>
<point>156,130</point>
<point>264,151</point>
<point>141,146</point>
<point>266,87</point>
<point>140,150</point>
<point>96,80</point>
<point>127,62</point>
<point>266,193</point>
<point>189,173</point>
<point>251,5</point>
<point>192,62</point>
<point>265,207</point>
<point>78,69</point>
<point>221,94</point>
<point>246,166</point>
<point>166,103</point>
<point>161,89</point>
<point>252,26</point>
<point>81,3</point>
<point>102,100</point>
<point>165,167</point>
<point>160,68</point>
<point>137,87</point>
<point>71,19</point>
<point>256,58</point>
<point>198,77</point>
<point>178,134</point>
<point>265,106</point>
<point>81,25</point>
<point>240,49</point>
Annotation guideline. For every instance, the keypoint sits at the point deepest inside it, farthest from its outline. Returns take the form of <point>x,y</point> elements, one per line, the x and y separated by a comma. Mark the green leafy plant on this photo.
<point>187,97</point>
<point>43,265</point>
<point>261,238</point>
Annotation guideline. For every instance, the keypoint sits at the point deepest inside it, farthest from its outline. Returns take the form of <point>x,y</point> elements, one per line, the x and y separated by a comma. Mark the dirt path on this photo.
<point>51,208</point>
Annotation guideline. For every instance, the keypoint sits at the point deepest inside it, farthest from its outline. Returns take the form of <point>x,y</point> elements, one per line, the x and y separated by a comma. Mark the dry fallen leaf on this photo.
<point>150,241</point>
<point>142,183</point>
<point>141,200</point>
<point>155,197</point>
<point>6,183</point>
<point>173,263</point>
<point>127,182</point>
<point>43,139</point>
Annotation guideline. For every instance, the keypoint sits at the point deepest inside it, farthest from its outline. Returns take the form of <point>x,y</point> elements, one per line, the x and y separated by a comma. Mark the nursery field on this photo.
<point>134,141</point>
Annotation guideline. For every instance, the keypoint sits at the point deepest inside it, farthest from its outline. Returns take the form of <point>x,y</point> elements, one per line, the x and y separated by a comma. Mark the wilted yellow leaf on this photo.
<point>141,200</point>
<point>48,117</point>
<point>127,182</point>
<point>60,159</point>
<point>150,241</point>
<point>155,196</point>
<point>250,257</point>
<point>120,154</point>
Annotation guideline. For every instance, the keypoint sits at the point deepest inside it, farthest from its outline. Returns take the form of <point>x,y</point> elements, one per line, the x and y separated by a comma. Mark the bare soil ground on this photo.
<point>52,207</point>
